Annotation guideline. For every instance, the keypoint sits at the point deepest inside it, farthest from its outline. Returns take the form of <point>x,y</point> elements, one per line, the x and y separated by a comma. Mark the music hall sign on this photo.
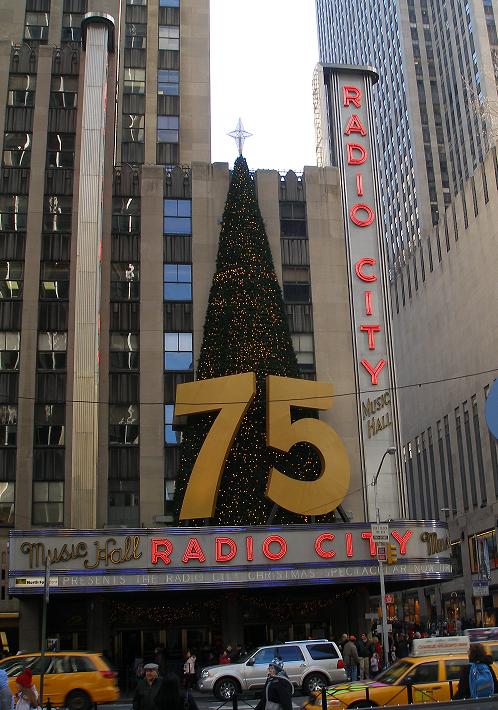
<point>195,558</point>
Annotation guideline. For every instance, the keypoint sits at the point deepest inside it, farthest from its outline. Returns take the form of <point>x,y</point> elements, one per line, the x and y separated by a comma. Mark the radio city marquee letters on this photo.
<point>189,558</point>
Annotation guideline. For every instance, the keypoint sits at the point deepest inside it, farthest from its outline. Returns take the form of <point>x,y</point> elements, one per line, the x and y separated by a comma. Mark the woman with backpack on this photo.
<point>477,680</point>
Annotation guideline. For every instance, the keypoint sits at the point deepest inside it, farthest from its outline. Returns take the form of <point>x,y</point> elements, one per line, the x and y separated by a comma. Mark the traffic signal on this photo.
<point>392,554</point>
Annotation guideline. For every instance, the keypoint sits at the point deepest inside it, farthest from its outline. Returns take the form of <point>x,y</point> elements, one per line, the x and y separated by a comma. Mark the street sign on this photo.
<point>389,598</point>
<point>380,532</point>
<point>480,588</point>
<point>381,553</point>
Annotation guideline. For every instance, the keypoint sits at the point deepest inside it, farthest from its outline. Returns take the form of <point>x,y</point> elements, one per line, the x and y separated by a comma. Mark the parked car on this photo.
<point>73,679</point>
<point>310,665</point>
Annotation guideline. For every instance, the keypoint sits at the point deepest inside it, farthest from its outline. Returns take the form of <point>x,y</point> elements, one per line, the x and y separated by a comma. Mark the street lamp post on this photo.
<point>385,638</point>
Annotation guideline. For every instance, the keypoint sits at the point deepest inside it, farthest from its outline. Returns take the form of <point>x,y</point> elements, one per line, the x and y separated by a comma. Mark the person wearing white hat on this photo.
<point>278,690</point>
<point>147,689</point>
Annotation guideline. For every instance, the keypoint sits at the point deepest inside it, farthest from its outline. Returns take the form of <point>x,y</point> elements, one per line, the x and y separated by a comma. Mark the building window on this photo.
<point>7,496</point>
<point>21,90</point>
<point>167,129</point>
<point>293,219</point>
<point>64,92</point>
<point>177,217</point>
<point>36,27</point>
<point>169,3</point>
<point>124,351</point>
<point>178,351</point>
<point>124,424</point>
<point>136,35</point>
<point>177,282</point>
<point>54,281</point>
<point>49,424</point>
<point>71,27</point>
<point>8,425</point>
<point>303,347</point>
<point>168,82</point>
<point>60,152</point>
<point>169,37</point>
<point>11,279</point>
<point>48,502</point>
<point>13,214</point>
<point>125,281</point>
<point>134,81</point>
<point>483,553</point>
<point>296,284</point>
<point>171,437</point>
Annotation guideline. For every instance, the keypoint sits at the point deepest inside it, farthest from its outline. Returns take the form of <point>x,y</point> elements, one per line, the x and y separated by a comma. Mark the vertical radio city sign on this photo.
<point>343,115</point>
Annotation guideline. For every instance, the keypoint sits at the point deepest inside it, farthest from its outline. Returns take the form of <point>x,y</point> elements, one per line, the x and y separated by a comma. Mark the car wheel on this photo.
<point>78,700</point>
<point>226,688</point>
<point>314,682</point>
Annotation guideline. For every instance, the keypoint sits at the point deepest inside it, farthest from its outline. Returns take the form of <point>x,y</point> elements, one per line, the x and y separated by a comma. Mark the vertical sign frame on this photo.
<point>352,147</point>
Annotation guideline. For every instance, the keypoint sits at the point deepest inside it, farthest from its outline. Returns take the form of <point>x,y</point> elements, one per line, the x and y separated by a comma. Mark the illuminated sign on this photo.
<point>344,104</point>
<point>189,558</point>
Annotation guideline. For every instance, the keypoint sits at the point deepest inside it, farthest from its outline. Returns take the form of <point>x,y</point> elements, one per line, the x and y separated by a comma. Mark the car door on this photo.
<point>294,664</point>
<point>428,685</point>
<point>256,667</point>
<point>52,679</point>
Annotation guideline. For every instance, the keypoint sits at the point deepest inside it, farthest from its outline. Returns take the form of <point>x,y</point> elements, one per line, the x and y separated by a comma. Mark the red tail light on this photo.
<point>340,663</point>
<point>108,674</point>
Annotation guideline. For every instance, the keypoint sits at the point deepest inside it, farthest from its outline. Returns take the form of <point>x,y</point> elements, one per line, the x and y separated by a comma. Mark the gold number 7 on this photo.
<point>229,396</point>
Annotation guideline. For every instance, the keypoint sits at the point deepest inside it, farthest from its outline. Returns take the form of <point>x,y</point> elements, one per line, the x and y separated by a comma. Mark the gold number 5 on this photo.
<point>330,488</point>
<point>231,397</point>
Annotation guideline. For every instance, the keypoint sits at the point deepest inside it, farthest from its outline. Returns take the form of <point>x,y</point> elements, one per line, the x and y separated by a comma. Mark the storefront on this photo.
<point>206,587</point>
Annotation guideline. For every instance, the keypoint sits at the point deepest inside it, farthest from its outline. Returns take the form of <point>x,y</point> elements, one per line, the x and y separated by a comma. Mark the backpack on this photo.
<point>480,681</point>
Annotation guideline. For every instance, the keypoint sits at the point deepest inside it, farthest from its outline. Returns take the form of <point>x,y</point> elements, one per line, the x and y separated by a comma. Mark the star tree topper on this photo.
<point>239,134</point>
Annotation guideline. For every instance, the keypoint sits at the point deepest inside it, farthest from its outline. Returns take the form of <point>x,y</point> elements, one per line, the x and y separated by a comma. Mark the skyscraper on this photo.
<point>434,103</point>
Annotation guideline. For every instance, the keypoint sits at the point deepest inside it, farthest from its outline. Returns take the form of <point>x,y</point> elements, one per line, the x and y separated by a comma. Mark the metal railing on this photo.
<point>403,696</point>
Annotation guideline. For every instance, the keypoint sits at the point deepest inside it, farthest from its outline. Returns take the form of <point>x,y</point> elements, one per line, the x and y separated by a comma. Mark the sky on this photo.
<point>263,53</point>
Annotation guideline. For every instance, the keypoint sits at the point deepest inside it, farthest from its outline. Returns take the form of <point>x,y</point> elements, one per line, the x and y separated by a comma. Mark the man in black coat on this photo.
<point>147,689</point>
<point>278,689</point>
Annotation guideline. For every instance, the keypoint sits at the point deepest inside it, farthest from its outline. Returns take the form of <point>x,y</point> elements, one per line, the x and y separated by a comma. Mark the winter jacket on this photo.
<point>350,654</point>
<point>278,689</point>
<point>145,694</point>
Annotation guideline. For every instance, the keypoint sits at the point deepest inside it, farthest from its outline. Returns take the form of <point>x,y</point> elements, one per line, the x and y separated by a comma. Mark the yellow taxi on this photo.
<point>73,679</point>
<point>429,675</point>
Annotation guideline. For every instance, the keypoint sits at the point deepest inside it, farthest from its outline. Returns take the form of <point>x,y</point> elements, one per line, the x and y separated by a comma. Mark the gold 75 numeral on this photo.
<point>231,396</point>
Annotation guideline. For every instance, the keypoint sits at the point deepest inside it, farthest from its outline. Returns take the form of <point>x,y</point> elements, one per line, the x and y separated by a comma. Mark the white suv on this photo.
<point>310,665</point>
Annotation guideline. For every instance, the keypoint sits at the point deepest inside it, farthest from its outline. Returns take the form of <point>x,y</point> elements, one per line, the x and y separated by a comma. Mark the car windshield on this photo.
<point>244,657</point>
<point>394,673</point>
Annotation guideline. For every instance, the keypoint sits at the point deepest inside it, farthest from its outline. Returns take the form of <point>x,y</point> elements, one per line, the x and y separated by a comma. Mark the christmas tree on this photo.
<point>246,330</point>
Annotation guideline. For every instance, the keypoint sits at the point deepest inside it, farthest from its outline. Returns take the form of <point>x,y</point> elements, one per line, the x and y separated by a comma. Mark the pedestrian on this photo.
<point>26,693</point>
<point>171,697</point>
<point>378,650</point>
<point>277,693</point>
<point>364,652</point>
<point>343,640</point>
<point>6,697</point>
<point>239,651</point>
<point>402,646</point>
<point>224,658</point>
<point>478,679</point>
<point>374,664</point>
<point>189,671</point>
<point>350,658</point>
<point>147,688</point>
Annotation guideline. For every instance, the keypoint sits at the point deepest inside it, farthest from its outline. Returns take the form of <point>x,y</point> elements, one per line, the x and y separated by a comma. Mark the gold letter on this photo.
<point>330,488</point>
<point>231,397</point>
